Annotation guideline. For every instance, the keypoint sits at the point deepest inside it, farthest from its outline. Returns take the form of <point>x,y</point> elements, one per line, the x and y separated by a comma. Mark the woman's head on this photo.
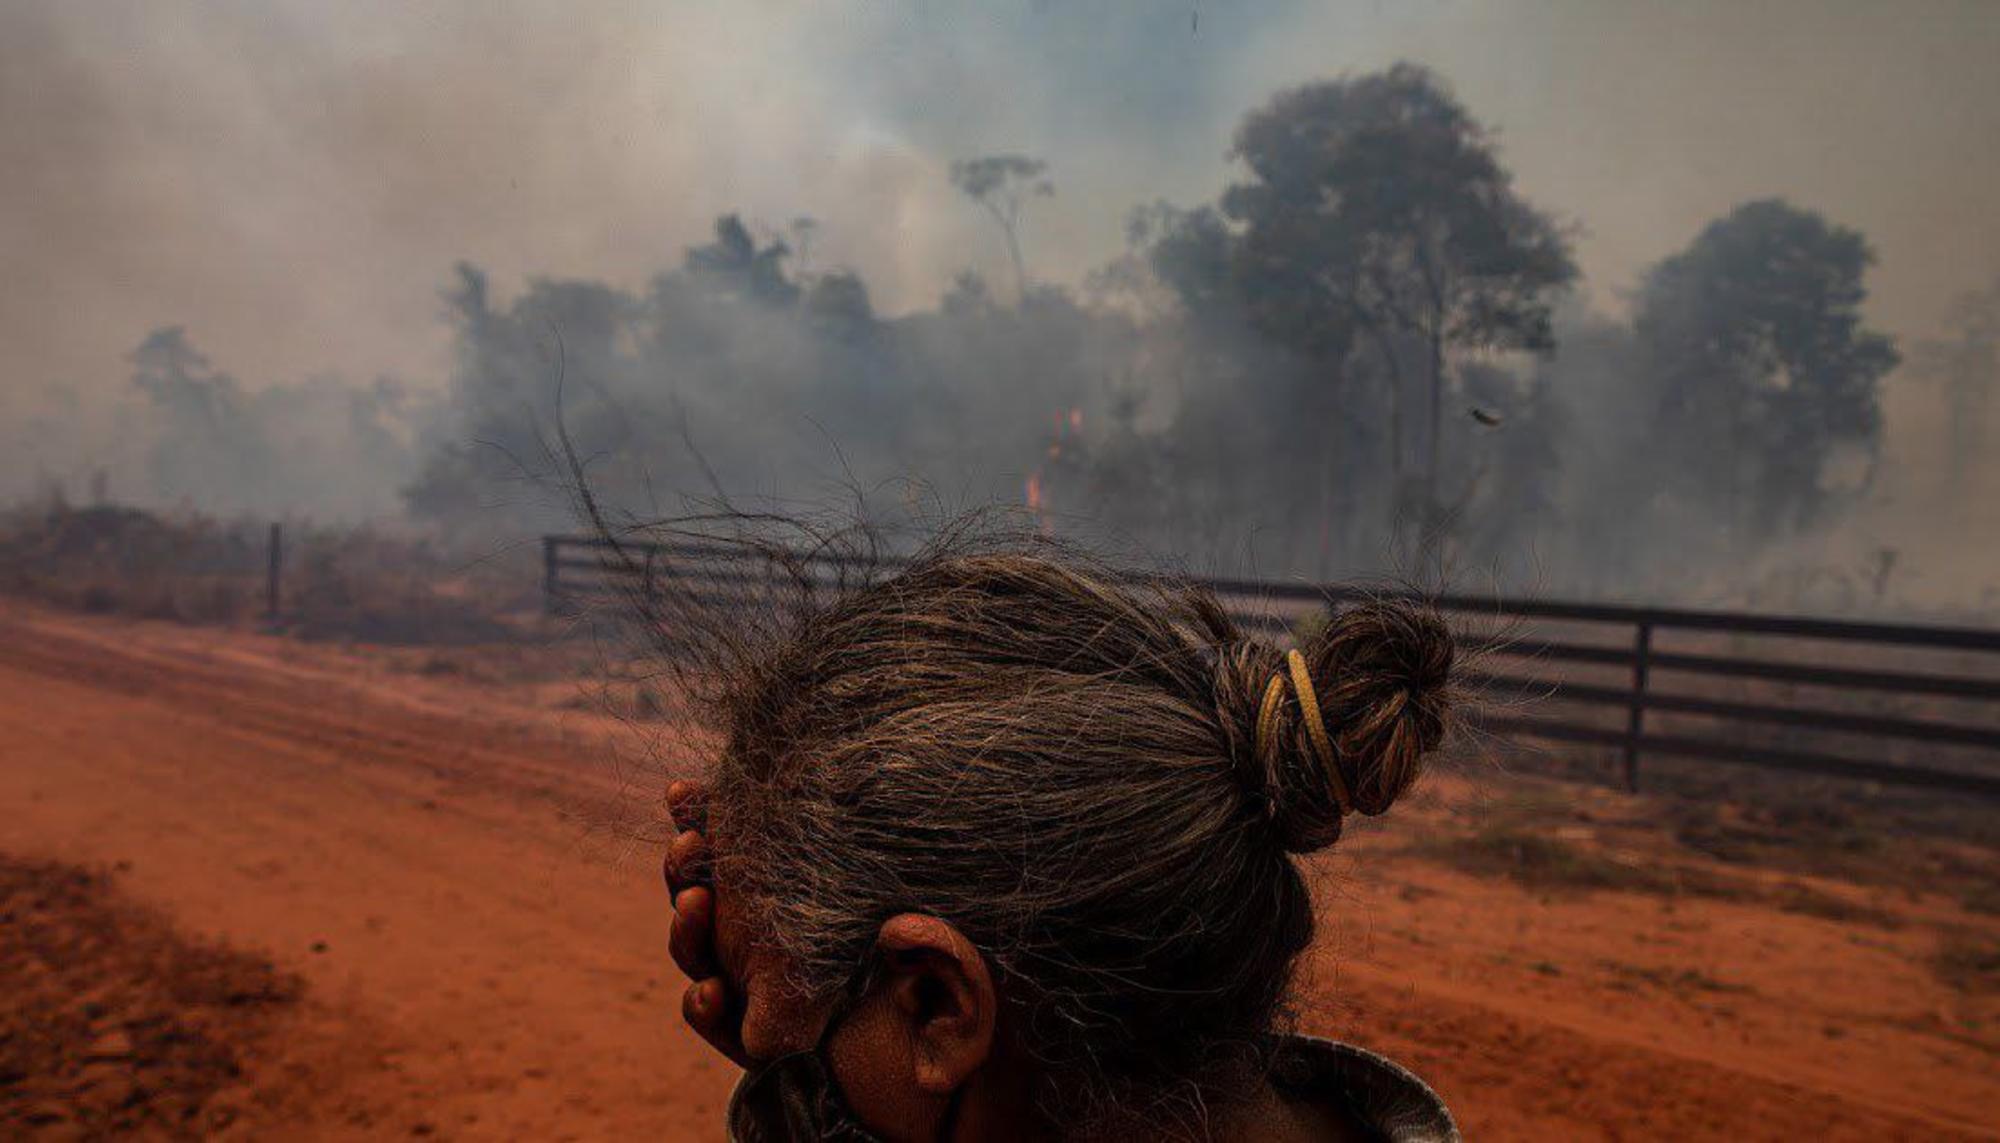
<point>1097,789</point>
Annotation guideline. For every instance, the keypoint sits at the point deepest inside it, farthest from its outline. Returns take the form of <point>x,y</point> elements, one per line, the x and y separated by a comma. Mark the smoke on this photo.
<point>733,375</point>
<point>291,182</point>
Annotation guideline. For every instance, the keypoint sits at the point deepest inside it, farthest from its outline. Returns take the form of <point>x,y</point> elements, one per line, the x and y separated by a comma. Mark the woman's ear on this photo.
<point>943,994</point>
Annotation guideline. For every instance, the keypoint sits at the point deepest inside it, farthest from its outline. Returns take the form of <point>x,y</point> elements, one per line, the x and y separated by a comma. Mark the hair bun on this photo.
<point>1380,675</point>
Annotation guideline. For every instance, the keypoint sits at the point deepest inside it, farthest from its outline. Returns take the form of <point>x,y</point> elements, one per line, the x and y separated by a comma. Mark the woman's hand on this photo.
<point>707,1006</point>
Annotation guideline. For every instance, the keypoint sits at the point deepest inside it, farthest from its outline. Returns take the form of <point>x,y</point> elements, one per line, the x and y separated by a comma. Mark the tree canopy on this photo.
<point>1762,371</point>
<point>1377,214</point>
<point>1002,186</point>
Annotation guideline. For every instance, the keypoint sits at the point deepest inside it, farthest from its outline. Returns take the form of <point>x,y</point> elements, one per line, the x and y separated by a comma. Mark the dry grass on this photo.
<point>1520,839</point>
<point>353,585</point>
<point>1681,982</point>
<point>1968,961</point>
<point>1538,861</point>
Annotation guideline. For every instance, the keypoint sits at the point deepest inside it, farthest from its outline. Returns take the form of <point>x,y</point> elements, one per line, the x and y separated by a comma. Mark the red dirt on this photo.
<point>116,1025</point>
<point>484,954</point>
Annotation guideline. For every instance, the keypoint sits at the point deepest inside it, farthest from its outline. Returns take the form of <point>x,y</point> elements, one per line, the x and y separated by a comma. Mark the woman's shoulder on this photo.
<point>1382,1093</point>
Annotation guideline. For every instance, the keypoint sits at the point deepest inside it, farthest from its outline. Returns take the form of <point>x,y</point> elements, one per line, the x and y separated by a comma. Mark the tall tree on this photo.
<point>1377,214</point>
<point>1763,374</point>
<point>1002,186</point>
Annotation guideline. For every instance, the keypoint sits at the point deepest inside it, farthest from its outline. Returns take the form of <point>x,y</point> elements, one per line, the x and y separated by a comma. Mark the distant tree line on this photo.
<point>1368,354</point>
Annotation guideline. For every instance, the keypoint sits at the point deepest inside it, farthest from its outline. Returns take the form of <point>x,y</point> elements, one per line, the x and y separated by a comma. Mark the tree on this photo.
<point>1003,184</point>
<point>1966,362</point>
<point>207,445</point>
<point>838,304</point>
<point>734,265</point>
<point>1377,213</point>
<point>227,447</point>
<point>1761,371</point>
<point>967,297</point>
<point>1189,252</point>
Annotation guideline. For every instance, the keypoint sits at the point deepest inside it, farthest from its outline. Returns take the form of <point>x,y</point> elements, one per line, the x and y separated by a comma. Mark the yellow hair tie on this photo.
<point>1267,719</point>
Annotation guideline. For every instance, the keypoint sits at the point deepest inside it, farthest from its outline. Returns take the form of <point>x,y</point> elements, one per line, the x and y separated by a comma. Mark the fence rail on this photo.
<point>1929,690</point>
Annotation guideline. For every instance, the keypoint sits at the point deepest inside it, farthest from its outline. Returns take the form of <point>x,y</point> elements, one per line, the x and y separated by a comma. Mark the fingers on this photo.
<point>712,1013</point>
<point>707,1005</point>
<point>687,862</point>
<point>692,938</point>
<point>687,801</point>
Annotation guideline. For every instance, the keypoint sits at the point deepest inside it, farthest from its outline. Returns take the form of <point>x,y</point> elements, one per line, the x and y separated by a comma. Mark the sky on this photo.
<point>293,181</point>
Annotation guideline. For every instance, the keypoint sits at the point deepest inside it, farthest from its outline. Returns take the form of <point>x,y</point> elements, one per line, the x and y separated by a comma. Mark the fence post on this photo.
<point>1635,719</point>
<point>273,566</point>
<point>550,570</point>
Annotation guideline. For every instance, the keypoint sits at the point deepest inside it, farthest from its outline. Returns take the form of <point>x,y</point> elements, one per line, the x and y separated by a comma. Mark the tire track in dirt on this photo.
<point>284,706</point>
<point>439,760</point>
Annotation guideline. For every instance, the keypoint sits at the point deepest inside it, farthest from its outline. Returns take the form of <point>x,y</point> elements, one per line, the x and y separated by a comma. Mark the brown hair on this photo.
<point>1067,768</point>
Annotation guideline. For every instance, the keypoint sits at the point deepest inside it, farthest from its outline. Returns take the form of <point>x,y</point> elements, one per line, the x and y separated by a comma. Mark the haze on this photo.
<point>293,182</point>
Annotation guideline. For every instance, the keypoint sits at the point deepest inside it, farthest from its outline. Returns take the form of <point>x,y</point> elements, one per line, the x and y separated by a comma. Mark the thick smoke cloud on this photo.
<point>292,182</point>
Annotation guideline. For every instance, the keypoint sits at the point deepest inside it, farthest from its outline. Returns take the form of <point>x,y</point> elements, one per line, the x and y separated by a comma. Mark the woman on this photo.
<point>998,849</point>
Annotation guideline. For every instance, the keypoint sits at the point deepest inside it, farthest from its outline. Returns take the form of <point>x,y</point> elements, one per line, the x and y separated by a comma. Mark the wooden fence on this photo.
<point>1901,704</point>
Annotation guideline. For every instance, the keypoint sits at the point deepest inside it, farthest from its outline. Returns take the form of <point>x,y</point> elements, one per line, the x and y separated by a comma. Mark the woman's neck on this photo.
<point>1269,1115</point>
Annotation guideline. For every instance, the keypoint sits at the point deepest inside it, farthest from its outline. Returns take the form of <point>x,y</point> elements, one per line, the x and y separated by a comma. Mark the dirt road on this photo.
<point>483,949</point>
